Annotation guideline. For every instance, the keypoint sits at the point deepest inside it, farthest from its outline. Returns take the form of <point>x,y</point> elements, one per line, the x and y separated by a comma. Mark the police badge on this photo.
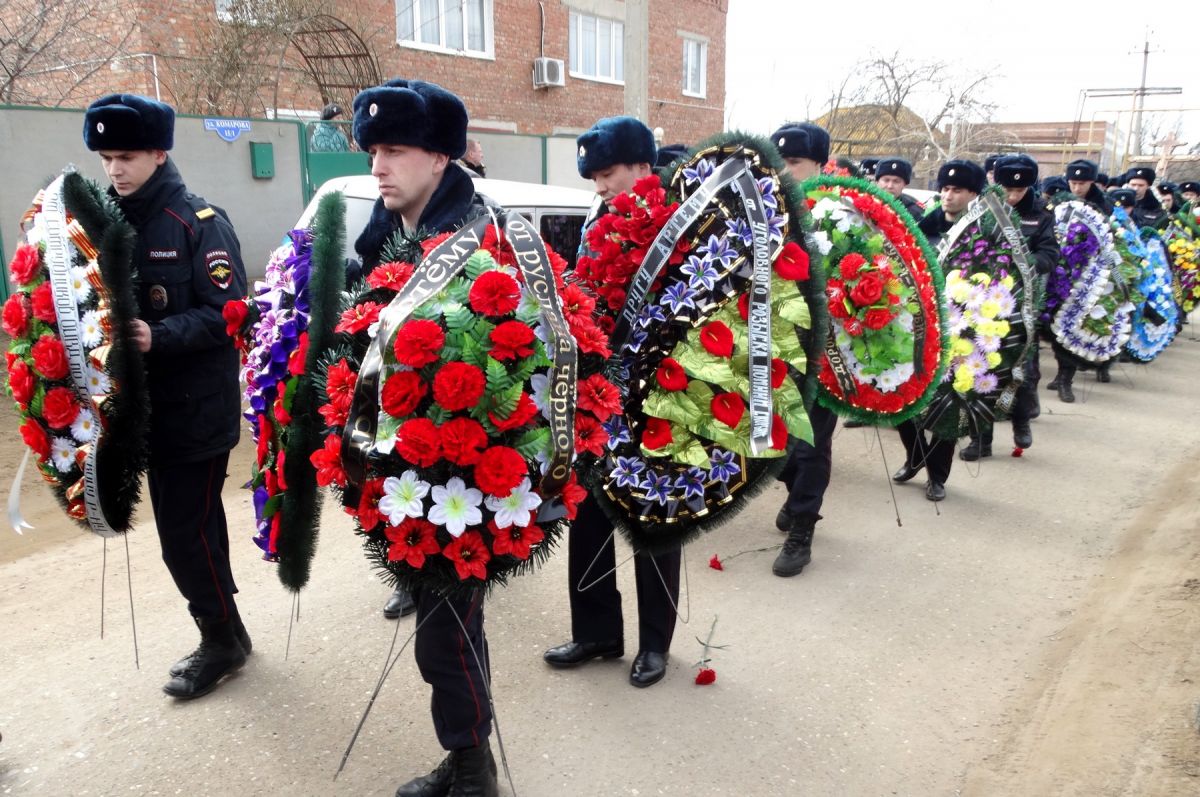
<point>219,270</point>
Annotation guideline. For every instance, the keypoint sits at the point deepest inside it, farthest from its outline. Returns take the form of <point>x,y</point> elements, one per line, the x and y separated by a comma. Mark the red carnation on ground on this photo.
<point>494,293</point>
<point>49,357</point>
<point>16,315</point>
<point>418,442</point>
<point>657,433</point>
<point>850,264</point>
<point>463,440</point>
<point>523,413</point>
<point>600,397</point>
<point>499,470</point>
<point>419,342</point>
<point>717,339</point>
<point>706,676</point>
<point>779,372</point>
<point>298,359</point>
<point>21,382</point>
<point>59,408</point>
<point>411,541</point>
<point>42,299</point>
<point>458,386</point>
<point>715,563</point>
<point>470,556</point>
<point>877,318</point>
<point>728,408</point>
<point>590,436</point>
<point>511,339</point>
<point>234,312</point>
<point>792,263</point>
<point>515,540</point>
<point>26,264</point>
<point>368,505</point>
<point>392,276</point>
<point>402,393</point>
<point>328,462</point>
<point>670,375</point>
<point>35,437</point>
<point>358,317</point>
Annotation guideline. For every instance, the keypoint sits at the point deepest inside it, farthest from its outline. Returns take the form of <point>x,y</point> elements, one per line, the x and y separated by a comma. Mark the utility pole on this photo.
<point>1139,98</point>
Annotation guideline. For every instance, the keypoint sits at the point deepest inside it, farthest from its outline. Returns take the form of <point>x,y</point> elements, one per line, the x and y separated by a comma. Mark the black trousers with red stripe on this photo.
<point>186,498</point>
<point>462,716</point>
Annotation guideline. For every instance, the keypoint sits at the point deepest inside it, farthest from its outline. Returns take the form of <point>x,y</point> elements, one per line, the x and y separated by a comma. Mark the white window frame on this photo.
<point>574,57</point>
<point>489,27</point>
<point>225,13</point>
<point>701,46</point>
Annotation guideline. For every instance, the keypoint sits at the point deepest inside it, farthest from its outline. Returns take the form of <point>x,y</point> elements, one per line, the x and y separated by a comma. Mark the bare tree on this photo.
<point>49,49</point>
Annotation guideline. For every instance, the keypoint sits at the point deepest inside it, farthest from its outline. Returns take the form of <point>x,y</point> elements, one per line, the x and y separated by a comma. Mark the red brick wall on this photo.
<point>684,119</point>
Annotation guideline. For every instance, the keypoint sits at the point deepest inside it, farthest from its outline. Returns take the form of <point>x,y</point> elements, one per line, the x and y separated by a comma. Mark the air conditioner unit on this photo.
<point>548,72</point>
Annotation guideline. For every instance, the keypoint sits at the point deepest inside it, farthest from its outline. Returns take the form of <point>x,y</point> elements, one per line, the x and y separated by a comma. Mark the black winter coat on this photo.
<point>1037,225</point>
<point>1148,212</point>
<point>935,225</point>
<point>189,264</point>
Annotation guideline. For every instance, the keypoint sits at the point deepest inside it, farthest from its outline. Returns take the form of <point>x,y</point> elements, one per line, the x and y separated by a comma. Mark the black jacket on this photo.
<point>1037,225</point>
<point>1148,212</point>
<point>189,264</point>
<point>912,206</point>
<point>935,226</point>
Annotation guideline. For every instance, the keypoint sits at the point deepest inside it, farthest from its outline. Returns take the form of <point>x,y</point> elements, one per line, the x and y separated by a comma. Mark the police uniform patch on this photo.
<point>220,271</point>
<point>158,297</point>
<point>205,213</point>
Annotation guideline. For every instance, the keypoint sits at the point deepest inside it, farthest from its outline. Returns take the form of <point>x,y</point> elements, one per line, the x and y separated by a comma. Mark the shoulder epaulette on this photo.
<point>203,211</point>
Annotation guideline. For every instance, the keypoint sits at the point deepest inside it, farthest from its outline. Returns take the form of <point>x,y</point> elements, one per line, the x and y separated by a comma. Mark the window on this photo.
<point>239,11</point>
<point>695,67</point>
<point>459,26</point>
<point>597,47</point>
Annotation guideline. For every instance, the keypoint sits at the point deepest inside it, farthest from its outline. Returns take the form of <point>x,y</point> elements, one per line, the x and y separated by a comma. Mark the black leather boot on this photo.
<point>470,775</point>
<point>1022,434</point>
<point>976,449</point>
<point>797,549</point>
<point>399,604</point>
<point>219,654</point>
<point>437,782</point>
<point>1102,374</point>
<point>1053,383</point>
<point>1065,394</point>
<point>243,639</point>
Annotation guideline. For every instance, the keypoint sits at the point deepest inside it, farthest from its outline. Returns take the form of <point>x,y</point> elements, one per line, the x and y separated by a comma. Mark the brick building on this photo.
<point>661,60</point>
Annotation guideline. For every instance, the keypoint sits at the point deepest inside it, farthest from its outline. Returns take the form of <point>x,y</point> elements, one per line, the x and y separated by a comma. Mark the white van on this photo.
<point>557,212</point>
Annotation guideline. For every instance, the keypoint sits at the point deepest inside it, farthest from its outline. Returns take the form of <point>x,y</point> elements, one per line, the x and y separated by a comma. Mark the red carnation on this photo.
<point>512,339</point>
<point>392,276</point>
<point>853,327</point>
<point>358,317</point>
<point>16,315</point>
<point>499,470</point>
<point>577,301</point>
<point>458,386</point>
<point>670,375</point>
<point>368,505</point>
<point>600,397</point>
<point>418,442</point>
<point>328,462</point>
<point>779,372</point>
<point>728,408</point>
<point>419,342</point>
<point>35,437</point>
<point>298,359</point>
<point>717,339</point>
<point>779,433</point>
<point>494,293</point>
<point>262,451</point>
<point>402,393</point>
<point>59,408</point>
<point>429,244</point>
<point>43,303</point>
<point>234,312</point>
<point>590,436</point>
<point>523,413</point>
<point>868,290</point>
<point>411,541</point>
<point>591,339</point>
<point>572,495</point>
<point>334,414</point>
<point>657,433</point>
<point>706,676</point>
<point>21,383</point>
<point>877,318</point>
<point>792,263</point>
<point>26,264</point>
<point>463,440</point>
<point>850,264</point>
<point>515,540</point>
<point>715,563</point>
<point>470,556</point>
<point>837,309</point>
<point>49,358</point>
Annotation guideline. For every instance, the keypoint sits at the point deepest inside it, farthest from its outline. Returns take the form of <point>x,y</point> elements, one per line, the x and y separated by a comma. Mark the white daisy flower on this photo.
<point>98,382</point>
<point>80,285</point>
<point>84,427</point>
<point>402,497</point>
<point>455,506</point>
<point>515,509</point>
<point>90,330</point>
<point>62,454</point>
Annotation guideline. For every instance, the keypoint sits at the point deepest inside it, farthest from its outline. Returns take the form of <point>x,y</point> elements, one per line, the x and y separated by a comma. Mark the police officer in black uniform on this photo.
<point>614,154</point>
<point>189,265</point>
<point>1148,211</point>
<point>1017,174</point>
<point>960,182</point>
<point>893,175</point>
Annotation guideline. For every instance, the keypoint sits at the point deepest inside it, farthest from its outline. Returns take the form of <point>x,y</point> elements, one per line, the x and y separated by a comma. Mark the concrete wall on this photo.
<point>36,143</point>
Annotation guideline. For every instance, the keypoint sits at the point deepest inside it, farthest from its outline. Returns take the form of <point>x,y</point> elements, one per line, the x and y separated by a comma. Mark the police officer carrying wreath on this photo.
<point>189,265</point>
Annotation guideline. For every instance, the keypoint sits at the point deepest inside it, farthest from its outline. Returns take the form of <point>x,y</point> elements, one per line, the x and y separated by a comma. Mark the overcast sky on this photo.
<point>1042,54</point>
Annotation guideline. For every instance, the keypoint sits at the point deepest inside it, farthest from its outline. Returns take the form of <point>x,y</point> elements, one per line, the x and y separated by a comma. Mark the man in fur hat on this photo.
<point>893,176</point>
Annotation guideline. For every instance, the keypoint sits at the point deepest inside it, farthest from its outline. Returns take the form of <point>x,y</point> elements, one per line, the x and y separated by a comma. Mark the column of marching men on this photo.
<point>190,265</point>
